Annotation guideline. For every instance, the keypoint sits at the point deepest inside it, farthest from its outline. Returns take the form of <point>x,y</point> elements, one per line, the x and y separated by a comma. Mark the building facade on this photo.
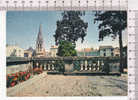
<point>14,51</point>
<point>53,51</point>
<point>40,50</point>
<point>106,51</point>
<point>116,52</point>
<point>88,52</point>
<point>27,53</point>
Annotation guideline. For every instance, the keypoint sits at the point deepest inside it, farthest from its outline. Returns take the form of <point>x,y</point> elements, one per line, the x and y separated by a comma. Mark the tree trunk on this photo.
<point>121,51</point>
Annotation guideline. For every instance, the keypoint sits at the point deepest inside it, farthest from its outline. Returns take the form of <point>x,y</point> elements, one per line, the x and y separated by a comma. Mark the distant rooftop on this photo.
<point>105,47</point>
<point>54,46</point>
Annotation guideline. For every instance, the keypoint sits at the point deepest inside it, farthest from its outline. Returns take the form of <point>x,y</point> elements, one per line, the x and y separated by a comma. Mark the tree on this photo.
<point>112,23</point>
<point>66,48</point>
<point>71,27</point>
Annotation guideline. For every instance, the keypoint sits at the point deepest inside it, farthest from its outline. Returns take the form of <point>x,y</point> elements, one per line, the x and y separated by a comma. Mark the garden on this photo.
<point>21,76</point>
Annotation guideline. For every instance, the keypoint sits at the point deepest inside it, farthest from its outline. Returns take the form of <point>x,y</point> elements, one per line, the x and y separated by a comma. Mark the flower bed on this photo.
<point>13,79</point>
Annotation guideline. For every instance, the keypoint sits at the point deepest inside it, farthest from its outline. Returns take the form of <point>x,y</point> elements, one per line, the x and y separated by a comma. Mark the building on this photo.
<point>88,52</point>
<point>40,50</point>
<point>29,52</point>
<point>14,51</point>
<point>106,51</point>
<point>94,53</point>
<point>53,51</point>
<point>48,54</point>
<point>116,52</point>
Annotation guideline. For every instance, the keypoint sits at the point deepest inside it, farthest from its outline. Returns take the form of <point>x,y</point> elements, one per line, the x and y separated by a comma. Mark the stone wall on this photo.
<point>19,67</point>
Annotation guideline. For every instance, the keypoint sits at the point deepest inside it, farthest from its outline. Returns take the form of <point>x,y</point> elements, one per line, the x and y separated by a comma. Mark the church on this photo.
<point>40,50</point>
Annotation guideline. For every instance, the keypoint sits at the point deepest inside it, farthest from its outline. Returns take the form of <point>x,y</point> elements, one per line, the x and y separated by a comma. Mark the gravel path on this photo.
<point>60,85</point>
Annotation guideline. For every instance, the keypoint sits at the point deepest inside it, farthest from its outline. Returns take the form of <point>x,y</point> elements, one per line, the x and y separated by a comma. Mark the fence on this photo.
<point>81,64</point>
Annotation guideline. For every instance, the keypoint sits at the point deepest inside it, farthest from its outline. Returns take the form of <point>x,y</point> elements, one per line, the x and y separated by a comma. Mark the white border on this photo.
<point>132,5</point>
<point>3,73</point>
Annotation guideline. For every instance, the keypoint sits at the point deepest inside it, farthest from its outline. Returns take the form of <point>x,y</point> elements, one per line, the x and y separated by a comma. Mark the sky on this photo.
<point>23,27</point>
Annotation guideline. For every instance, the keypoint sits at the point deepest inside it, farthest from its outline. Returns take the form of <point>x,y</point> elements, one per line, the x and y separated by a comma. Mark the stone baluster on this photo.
<point>49,66</point>
<point>81,65</point>
<point>98,65</point>
<point>53,65</point>
<point>37,64</point>
<point>94,65</point>
<point>86,63</point>
<point>102,64</point>
<point>44,66</point>
<point>90,66</point>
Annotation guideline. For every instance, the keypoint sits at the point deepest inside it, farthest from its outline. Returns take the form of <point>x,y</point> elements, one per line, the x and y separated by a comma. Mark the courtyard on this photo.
<point>60,85</point>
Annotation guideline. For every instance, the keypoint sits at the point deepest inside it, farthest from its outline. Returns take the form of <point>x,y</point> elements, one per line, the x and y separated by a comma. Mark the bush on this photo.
<point>76,65</point>
<point>106,67</point>
<point>59,66</point>
<point>66,48</point>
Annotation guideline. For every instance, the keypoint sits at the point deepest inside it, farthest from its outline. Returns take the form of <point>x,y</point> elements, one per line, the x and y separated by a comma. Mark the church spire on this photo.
<point>40,37</point>
<point>39,43</point>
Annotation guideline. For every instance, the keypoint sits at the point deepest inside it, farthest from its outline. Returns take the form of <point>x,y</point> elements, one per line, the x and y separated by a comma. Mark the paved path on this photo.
<point>59,85</point>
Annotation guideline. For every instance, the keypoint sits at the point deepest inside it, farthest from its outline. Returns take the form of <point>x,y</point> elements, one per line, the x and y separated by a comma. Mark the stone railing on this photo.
<point>71,64</point>
<point>65,64</point>
<point>17,64</point>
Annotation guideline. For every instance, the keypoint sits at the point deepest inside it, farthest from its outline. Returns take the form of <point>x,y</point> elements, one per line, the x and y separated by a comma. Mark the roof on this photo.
<point>87,49</point>
<point>54,47</point>
<point>105,47</point>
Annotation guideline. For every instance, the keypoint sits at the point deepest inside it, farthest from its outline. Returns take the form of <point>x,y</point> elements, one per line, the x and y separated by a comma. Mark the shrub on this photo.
<point>66,48</point>
<point>59,66</point>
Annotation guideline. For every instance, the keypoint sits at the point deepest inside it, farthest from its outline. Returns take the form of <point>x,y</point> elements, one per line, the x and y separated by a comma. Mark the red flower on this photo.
<point>21,73</point>
<point>13,84</point>
<point>26,78</point>
<point>13,74</point>
<point>28,75</point>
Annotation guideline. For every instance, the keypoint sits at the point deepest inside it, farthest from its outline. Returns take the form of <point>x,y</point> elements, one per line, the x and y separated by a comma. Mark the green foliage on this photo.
<point>66,48</point>
<point>111,23</point>
<point>59,66</point>
<point>76,65</point>
<point>106,67</point>
<point>71,27</point>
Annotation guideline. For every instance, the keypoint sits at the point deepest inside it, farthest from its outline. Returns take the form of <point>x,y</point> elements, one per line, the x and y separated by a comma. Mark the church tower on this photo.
<point>40,51</point>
